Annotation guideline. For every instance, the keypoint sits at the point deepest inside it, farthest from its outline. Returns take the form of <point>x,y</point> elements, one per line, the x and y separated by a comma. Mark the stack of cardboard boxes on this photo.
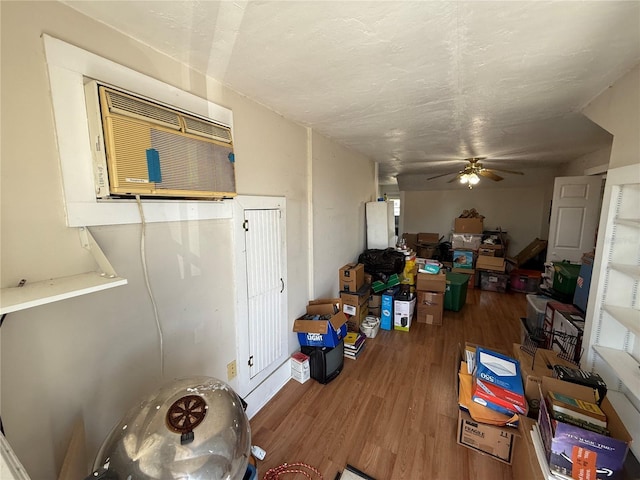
<point>354,294</point>
<point>465,242</point>
<point>430,290</point>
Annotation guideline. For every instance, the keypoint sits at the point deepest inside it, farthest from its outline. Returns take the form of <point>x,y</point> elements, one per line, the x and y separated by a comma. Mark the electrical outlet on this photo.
<point>232,371</point>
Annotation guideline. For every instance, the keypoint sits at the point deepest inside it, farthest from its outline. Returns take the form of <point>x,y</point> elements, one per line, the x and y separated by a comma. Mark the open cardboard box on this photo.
<point>496,441</point>
<point>493,264</point>
<point>576,452</point>
<point>533,368</point>
<point>322,333</point>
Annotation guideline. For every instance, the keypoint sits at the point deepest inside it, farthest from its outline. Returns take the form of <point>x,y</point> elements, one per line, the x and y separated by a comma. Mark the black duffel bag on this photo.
<point>386,262</point>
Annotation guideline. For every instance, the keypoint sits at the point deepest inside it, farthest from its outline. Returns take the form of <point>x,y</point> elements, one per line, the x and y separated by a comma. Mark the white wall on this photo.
<point>519,212</point>
<point>590,161</point>
<point>617,111</point>
<point>518,205</point>
<point>92,356</point>
<point>340,190</point>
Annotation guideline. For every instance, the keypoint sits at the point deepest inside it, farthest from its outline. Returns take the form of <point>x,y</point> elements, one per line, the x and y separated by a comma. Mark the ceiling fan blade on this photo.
<point>441,175</point>
<point>505,171</point>
<point>489,174</point>
<point>457,177</point>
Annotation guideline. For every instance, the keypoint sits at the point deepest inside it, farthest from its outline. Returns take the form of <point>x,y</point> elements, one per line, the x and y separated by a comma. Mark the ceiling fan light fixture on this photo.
<point>464,178</point>
<point>474,179</point>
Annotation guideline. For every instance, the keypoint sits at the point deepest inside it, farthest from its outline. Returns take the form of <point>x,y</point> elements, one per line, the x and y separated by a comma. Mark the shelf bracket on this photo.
<point>89,243</point>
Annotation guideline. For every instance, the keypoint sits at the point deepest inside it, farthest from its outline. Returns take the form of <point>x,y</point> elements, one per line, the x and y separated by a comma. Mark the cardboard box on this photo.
<point>429,307</point>
<point>470,241</point>
<point>497,442</point>
<point>427,251</point>
<point>355,316</point>
<point>356,298</point>
<point>468,225</point>
<point>374,301</point>
<point>411,240</point>
<point>351,277</point>
<point>525,464</point>
<point>527,253</point>
<point>576,452</point>
<point>321,333</point>
<point>403,314</point>
<point>493,264</point>
<point>429,282</point>
<point>533,369</point>
<point>463,259</point>
<point>428,238</point>
<point>466,271</point>
<point>491,250</point>
<point>300,370</point>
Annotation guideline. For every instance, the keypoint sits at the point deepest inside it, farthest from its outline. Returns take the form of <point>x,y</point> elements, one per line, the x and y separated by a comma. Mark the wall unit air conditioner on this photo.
<point>141,147</point>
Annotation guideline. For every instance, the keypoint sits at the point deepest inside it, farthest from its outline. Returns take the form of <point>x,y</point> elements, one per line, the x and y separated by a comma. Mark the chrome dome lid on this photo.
<point>190,429</point>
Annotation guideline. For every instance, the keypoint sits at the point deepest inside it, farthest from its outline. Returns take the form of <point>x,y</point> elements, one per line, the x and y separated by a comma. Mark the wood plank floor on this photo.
<point>392,412</point>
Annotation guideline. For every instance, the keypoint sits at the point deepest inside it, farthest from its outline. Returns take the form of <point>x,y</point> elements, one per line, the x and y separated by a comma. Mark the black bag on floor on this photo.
<point>387,261</point>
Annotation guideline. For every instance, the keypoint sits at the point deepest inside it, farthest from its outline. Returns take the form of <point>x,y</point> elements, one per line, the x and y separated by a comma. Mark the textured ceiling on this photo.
<point>416,86</point>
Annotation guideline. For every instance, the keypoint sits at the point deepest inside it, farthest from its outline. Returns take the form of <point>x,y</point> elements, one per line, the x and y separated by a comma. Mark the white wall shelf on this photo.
<point>624,365</point>
<point>629,222</point>
<point>630,270</point>
<point>612,328</point>
<point>628,317</point>
<point>55,289</point>
<point>42,292</point>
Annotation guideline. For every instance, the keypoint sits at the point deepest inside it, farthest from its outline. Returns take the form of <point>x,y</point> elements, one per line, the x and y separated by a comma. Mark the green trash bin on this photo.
<point>455,295</point>
<point>565,277</point>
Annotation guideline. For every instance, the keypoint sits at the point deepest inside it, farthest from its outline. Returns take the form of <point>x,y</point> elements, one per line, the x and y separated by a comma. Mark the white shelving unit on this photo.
<point>612,327</point>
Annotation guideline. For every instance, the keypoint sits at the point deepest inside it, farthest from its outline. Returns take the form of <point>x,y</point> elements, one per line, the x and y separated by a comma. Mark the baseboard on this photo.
<point>264,392</point>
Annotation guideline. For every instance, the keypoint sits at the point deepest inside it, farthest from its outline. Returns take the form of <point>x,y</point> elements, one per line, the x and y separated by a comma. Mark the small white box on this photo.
<point>300,369</point>
<point>403,313</point>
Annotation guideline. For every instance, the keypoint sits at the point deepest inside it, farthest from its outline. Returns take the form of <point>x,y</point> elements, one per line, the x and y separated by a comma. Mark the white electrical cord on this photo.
<point>143,256</point>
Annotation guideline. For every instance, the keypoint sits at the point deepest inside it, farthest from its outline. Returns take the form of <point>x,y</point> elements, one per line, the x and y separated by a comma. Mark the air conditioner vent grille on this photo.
<point>187,163</point>
<point>207,129</point>
<point>134,107</point>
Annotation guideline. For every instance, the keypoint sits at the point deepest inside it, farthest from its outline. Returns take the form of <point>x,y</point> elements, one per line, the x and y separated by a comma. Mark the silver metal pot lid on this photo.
<point>190,429</point>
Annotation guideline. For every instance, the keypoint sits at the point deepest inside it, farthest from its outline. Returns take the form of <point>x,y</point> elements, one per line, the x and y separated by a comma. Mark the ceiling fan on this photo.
<point>471,173</point>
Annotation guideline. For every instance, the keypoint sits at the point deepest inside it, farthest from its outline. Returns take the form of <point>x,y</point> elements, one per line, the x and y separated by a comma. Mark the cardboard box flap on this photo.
<point>324,306</point>
<point>319,326</point>
<point>428,238</point>
<point>486,262</point>
<point>324,301</point>
<point>311,326</point>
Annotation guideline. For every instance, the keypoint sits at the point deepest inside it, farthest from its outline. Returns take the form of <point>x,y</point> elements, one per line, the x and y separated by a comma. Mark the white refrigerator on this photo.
<point>381,225</point>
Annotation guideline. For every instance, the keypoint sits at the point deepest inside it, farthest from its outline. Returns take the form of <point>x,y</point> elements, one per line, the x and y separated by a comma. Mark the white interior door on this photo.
<point>265,288</point>
<point>575,212</point>
<point>262,326</point>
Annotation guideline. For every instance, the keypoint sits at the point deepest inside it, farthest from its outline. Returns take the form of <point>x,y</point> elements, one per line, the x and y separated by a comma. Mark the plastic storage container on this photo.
<point>493,281</point>
<point>525,281</point>
<point>455,295</point>
<point>536,306</point>
<point>565,277</point>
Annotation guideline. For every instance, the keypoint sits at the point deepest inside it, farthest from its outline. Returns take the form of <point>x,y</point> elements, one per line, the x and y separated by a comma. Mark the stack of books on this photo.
<point>579,413</point>
<point>354,344</point>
